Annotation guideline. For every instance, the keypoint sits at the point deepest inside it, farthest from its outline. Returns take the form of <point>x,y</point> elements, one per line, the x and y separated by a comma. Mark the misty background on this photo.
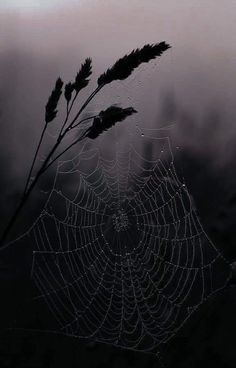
<point>193,85</point>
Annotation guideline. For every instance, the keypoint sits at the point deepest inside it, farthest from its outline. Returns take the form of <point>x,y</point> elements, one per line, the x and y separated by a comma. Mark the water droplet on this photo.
<point>177,147</point>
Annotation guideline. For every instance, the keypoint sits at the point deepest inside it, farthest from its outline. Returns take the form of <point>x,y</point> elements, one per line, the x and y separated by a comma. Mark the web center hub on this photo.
<point>120,221</point>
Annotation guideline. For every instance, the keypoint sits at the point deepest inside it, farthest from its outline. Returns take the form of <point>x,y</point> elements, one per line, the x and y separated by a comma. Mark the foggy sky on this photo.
<point>193,82</point>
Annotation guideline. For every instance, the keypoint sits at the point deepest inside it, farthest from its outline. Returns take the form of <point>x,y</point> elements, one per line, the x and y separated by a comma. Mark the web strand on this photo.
<point>120,255</point>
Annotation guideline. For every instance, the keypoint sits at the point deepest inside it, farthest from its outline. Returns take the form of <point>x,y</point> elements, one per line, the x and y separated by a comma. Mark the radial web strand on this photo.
<point>120,255</point>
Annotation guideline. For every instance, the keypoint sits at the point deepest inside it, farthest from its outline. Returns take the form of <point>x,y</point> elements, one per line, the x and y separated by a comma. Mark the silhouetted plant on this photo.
<point>106,119</point>
<point>50,109</point>
<point>125,66</point>
<point>103,121</point>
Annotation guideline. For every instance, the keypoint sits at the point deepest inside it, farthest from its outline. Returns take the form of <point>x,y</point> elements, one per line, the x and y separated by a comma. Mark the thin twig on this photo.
<point>86,103</point>
<point>120,70</point>
<point>35,157</point>
<point>85,119</point>
<point>68,113</point>
<point>44,167</point>
<point>64,151</point>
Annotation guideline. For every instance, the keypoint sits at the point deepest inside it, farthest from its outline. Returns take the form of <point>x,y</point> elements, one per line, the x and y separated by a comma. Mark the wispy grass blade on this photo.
<point>50,108</point>
<point>106,119</point>
<point>81,80</point>
<point>101,123</point>
<point>69,88</point>
<point>126,65</point>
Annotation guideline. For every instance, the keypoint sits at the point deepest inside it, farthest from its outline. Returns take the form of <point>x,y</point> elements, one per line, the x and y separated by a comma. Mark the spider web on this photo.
<point>120,256</point>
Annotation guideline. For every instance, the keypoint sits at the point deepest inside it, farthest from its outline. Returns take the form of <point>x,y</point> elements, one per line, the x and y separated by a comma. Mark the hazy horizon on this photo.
<point>197,76</point>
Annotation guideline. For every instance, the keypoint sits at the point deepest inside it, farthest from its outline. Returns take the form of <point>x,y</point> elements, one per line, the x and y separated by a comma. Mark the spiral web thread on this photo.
<point>120,256</point>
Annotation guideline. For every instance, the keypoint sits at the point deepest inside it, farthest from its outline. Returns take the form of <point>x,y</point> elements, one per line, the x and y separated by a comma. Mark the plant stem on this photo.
<point>68,113</point>
<point>18,209</point>
<point>35,157</point>
<point>28,189</point>
<point>86,103</point>
<point>68,110</point>
<point>85,119</point>
<point>64,151</point>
